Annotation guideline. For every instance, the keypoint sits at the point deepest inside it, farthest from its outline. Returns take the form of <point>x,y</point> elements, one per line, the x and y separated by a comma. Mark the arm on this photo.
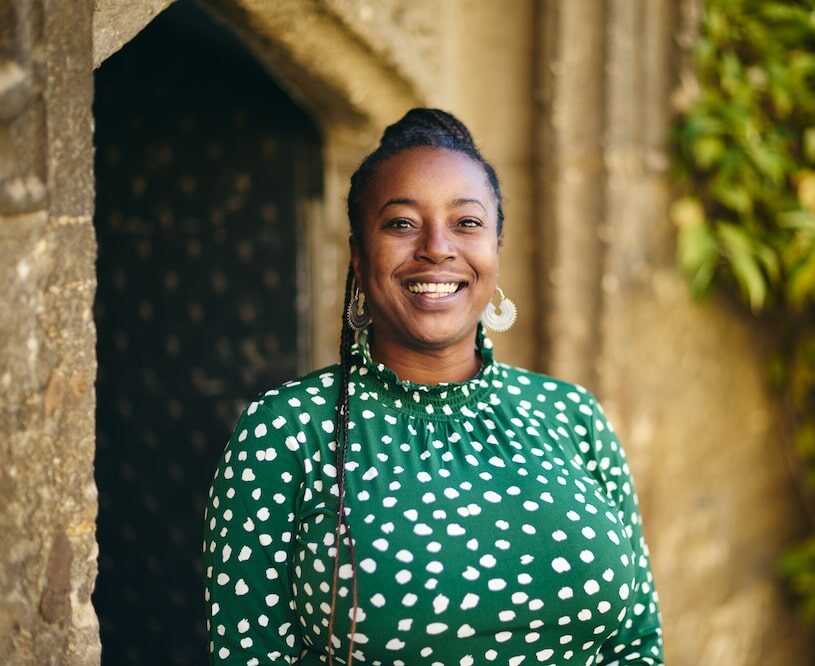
<point>638,641</point>
<point>249,537</point>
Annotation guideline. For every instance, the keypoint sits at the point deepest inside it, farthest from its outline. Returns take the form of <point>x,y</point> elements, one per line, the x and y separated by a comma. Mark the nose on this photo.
<point>435,244</point>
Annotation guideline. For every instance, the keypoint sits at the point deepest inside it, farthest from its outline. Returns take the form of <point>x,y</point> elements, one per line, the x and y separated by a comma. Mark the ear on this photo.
<point>356,258</point>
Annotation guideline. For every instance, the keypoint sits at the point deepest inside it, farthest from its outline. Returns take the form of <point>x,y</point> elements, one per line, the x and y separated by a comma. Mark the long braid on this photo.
<point>341,454</point>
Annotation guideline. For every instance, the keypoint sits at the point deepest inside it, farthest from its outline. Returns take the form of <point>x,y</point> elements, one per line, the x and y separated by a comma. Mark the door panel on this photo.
<point>200,163</point>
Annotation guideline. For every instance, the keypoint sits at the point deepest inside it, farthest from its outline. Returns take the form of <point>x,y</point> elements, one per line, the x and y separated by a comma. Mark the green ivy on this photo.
<point>744,146</point>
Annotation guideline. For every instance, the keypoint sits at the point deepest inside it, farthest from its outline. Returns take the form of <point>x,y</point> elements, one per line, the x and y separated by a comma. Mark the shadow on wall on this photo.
<point>200,163</point>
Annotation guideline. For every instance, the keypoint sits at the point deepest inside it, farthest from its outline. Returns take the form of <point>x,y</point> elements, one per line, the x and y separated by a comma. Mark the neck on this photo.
<point>454,363</point>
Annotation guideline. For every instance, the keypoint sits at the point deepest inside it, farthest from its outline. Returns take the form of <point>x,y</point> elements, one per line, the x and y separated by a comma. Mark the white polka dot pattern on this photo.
<point>497,512</point>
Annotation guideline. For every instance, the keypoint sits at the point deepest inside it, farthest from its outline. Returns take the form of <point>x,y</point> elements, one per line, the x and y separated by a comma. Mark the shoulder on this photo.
<point>545,388</point>
<point>578,417</point>
<point>575,410</point>
<point>295,418</point>
<point>316,389</point>
<point>294,405</point>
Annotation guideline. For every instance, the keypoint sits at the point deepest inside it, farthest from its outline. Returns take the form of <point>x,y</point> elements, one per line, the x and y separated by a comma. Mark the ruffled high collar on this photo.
<point>437,401</point>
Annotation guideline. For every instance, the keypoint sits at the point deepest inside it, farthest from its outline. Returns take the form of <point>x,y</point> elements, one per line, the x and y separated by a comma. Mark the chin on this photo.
<point>438,337</point>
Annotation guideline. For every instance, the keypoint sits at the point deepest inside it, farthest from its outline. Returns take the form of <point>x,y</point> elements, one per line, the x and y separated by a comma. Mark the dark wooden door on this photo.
<point>200,163</point>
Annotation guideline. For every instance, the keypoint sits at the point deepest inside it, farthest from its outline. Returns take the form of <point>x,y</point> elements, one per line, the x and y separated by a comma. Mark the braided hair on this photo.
<point>418,128</point>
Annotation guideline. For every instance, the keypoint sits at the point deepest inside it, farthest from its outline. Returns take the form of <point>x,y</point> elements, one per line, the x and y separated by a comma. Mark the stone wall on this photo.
<point>47,359</point>
<point>570,99</point>
<point>684,383</point>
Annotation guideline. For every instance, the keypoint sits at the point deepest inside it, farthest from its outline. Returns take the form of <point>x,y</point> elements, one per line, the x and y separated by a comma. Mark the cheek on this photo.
<point>374,271</point>
<point>487,263</point>
<point>381,261</point>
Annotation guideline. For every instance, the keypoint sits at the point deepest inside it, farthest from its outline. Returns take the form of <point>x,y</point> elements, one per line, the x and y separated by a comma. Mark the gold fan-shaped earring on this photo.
<point>357,313</point>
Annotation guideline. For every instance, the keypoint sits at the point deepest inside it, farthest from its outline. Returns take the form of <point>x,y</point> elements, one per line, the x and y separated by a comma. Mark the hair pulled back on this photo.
<point>418,128</point>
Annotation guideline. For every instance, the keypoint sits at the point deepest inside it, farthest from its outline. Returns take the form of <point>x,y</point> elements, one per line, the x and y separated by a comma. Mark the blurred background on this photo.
<point>174,241</point>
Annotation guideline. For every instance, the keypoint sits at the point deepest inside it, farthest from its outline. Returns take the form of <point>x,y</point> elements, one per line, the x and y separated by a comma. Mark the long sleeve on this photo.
<point>249,535</point>
<point>638,640</point>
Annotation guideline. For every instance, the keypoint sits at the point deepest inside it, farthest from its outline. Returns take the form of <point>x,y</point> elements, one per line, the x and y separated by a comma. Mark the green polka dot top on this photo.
<point>494,521</point>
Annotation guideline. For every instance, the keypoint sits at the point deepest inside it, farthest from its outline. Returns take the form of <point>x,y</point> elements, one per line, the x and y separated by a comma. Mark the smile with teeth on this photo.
<point>433,289</point>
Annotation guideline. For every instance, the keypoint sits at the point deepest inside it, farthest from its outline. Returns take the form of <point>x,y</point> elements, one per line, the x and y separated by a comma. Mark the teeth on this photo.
<point>433,289</point>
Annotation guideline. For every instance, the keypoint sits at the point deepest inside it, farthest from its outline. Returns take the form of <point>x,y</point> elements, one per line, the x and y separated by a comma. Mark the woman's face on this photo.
<point>428,263</point>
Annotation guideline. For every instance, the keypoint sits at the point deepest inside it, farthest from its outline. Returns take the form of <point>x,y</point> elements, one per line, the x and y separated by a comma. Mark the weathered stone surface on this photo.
<point>55,602</point>
<point>569,161</point>
<point>22,154</point>
<point>686,389</point>
<point>46,485</point>
<point>684,383</point>
<point>321,61</point>
<point>68,95</point>
<point>116,22</point>
<point>47,364</point>
<point>15,89</point>
<point>408,34</point>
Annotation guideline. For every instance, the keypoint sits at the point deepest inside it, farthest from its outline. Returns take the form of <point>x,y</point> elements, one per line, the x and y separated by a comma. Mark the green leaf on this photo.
<point>707,150</point>
<point>768,258</point>
<point>809,144</point>
<point>745,149</point>
<point>769,162</point>
<point>740,256</point>
<point>733,195</point>
<point>698,255</point>
<point>797,219</point>
<point>801,283</point>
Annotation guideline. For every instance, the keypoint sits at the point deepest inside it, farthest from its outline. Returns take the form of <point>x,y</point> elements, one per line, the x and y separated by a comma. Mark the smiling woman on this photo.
<point>427,261</point>
<point>420,502</point>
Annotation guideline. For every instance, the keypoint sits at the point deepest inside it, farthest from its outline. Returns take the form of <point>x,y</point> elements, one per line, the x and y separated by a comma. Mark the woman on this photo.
<point>483,513</point>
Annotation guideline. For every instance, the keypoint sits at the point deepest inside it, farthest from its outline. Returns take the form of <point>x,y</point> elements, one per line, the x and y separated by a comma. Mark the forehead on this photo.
<point>427,171</point>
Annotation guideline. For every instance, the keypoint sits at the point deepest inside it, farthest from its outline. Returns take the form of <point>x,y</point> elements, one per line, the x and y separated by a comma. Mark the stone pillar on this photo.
<point>570,95</point>
<point>683,382</point>
<point>47,355</point>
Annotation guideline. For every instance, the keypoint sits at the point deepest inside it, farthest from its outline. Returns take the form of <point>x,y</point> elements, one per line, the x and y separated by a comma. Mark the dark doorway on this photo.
<point>201,164</point>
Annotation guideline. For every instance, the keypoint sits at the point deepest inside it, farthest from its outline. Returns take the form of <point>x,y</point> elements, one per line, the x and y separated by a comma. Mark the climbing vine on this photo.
<point>744,146</point>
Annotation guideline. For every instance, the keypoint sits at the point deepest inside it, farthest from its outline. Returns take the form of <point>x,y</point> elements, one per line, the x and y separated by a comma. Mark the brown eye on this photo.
<point>471,222</point>
<point>398,223</point>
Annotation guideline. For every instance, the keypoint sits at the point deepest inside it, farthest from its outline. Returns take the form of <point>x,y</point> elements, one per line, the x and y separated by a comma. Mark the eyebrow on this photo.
<point>463,202</point>
<point>404,201</point>
<point>399,201</point>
